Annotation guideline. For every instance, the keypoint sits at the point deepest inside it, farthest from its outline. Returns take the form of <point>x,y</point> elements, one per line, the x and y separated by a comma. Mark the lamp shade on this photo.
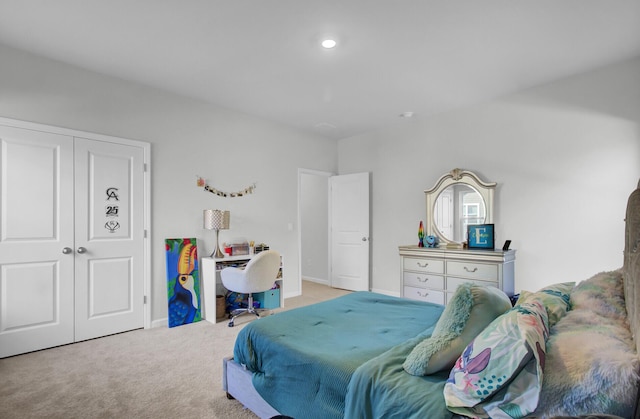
<point>216,219</point>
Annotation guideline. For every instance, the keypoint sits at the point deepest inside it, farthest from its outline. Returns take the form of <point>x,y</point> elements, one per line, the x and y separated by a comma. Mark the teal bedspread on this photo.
<point>303,359</point>
<point>380,388</point>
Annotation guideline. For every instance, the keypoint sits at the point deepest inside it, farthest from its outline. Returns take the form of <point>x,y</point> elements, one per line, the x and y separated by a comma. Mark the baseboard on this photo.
<point>326,282</point>
<point>160,323</point>
<point>316,280</point>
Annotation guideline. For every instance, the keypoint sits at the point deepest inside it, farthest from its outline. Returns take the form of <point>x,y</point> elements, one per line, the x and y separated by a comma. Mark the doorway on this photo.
<point>333,215</point>
<point>313,213</point>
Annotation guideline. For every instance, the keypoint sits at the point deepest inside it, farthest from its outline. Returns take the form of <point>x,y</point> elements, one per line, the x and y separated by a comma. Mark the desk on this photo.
<point>212,282</point>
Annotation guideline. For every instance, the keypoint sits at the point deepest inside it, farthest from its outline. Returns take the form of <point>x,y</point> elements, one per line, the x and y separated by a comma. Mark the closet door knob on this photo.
<point>81,250</point>
<point>66,250</point>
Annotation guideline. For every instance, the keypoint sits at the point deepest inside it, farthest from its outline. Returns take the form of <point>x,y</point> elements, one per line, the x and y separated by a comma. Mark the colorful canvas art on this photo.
<point>183,281</point>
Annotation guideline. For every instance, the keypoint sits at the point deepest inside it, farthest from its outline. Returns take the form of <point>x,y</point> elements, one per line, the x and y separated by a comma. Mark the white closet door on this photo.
<point>109,238</point>
<point>36,240</point>
<point>71,238</point>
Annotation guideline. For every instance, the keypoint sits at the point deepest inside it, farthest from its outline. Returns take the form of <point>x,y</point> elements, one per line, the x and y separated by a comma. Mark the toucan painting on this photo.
<point>183,281</point>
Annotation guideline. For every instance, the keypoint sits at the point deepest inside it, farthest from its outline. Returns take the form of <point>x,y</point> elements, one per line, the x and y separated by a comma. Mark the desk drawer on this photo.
<point>424,265</point>
<point>423,280</point>
<point>473,270</point>
<point>424,294</point>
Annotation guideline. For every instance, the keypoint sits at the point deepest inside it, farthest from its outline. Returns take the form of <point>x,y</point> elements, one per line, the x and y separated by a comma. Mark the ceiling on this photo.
<point>393,56</point>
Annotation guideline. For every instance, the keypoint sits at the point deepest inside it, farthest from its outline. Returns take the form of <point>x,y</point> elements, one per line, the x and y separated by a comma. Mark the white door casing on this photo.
<point>70,272</point>
<point>349,202</point>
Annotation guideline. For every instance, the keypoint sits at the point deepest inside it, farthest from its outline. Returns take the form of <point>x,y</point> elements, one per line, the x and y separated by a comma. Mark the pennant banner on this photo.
<point>246,191</point>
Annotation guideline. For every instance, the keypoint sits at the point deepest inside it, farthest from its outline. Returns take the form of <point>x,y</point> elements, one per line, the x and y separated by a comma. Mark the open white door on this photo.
<point>349,196</point>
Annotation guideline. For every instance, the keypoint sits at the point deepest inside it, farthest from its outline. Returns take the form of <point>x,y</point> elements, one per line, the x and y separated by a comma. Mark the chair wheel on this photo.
<point>230,324</point>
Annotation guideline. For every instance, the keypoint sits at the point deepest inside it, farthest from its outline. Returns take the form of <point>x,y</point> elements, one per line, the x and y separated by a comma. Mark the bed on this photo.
<point>566,350</point>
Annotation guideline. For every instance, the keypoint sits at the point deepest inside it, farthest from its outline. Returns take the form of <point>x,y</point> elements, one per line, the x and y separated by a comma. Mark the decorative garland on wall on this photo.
<point>246,191</point>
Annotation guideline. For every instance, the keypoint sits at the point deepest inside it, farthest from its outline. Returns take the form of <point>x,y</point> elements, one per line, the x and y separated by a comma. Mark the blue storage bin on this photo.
<point>268,299</point>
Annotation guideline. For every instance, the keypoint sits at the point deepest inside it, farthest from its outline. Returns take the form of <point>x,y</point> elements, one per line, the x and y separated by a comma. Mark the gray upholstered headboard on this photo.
<point>632,271</point>
<point>632,264</point>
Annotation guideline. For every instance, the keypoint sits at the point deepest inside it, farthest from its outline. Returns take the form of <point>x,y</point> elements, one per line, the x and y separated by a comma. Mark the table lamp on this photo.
<point>216,220</point>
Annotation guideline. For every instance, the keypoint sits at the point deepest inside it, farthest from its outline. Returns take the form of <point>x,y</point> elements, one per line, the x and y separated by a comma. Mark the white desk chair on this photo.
<point>258,276</point>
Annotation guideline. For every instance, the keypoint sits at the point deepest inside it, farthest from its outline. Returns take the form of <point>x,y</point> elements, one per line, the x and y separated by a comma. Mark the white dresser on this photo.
<point>433,274</point>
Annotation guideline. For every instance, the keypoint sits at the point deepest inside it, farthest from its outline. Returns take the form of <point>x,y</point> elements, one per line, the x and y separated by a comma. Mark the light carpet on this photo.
<point>154,373</point>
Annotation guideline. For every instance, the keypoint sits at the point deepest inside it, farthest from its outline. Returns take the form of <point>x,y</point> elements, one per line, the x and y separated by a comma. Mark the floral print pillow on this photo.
<point>499,374</point>
<point>555,298</point>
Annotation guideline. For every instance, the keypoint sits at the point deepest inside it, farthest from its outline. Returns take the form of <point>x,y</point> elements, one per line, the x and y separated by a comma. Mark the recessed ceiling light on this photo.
<point>328,43</point>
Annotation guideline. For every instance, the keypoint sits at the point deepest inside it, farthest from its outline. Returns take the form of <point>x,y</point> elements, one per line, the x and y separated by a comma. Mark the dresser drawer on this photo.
<point>424,265</point>
<point>424,294</point>
<point>473,270</point>
<point>453,283</point>
<point>423,280</point>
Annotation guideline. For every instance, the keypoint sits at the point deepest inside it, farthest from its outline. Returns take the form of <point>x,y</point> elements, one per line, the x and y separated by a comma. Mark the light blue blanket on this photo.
<point>303,359</point>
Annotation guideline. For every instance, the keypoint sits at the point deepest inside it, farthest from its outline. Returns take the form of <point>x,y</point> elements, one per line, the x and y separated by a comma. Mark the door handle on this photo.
<point>364,239</point>
<point>66,250</point>
<point>81,250</point>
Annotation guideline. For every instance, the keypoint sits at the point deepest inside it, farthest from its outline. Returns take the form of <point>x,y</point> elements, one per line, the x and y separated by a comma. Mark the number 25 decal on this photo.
<point>111,210</point>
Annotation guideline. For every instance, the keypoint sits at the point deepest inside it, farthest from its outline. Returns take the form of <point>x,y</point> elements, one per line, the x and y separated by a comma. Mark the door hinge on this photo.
<point>144,300</point>
<point>145,233</point>
<point>144,167</point>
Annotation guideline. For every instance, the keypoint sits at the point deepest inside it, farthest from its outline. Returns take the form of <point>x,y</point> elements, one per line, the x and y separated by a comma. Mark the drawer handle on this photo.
<point>422,280</point>
<point>470,270</point>
<point>421,294</point>
<point>423,266</point>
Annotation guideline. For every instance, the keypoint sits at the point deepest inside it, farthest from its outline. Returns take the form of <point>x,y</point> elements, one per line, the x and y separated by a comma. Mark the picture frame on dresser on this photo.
<point>481,236</point>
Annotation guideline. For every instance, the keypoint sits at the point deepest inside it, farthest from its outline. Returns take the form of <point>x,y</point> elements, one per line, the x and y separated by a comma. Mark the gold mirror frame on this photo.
<point>457,176</point>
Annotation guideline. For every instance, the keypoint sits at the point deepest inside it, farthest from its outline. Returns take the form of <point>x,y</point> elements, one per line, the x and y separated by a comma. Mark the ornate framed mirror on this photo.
<point>458,199</point>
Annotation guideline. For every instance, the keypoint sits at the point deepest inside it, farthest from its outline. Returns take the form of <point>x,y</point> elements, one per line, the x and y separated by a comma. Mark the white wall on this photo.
<point>565,156</point>
<point>188,138</point>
